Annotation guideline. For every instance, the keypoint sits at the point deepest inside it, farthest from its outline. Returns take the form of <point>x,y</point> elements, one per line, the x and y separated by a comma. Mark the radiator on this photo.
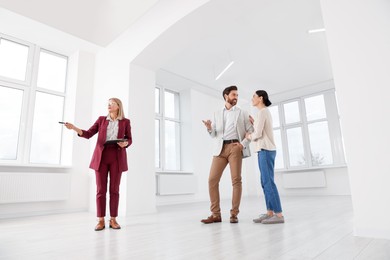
<point>176,184</point>
<point>306,179</point>
<point>33,187</point>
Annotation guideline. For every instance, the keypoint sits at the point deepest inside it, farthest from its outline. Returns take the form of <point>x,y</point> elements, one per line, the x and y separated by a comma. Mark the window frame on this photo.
<point>29,65</point>
<point>161,117</point>
<point>30,88</point>
<point>334,131</point>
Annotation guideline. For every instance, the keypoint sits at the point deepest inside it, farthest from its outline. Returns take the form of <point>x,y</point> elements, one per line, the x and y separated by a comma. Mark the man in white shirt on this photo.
<point>228,131</point>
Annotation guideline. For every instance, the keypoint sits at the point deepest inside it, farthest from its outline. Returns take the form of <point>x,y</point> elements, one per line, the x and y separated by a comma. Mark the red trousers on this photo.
<point>108,167</point>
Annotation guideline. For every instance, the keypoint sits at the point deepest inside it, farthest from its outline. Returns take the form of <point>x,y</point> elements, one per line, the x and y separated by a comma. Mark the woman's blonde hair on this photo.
<point>121,114</point>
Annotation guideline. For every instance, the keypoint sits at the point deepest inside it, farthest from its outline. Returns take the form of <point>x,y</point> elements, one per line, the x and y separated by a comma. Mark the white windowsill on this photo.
<point>46,166</point>
<point>311,168</point>
<point>161,172</point>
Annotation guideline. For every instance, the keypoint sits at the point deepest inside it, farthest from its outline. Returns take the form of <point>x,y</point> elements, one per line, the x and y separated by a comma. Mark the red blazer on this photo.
<point>101,124</point>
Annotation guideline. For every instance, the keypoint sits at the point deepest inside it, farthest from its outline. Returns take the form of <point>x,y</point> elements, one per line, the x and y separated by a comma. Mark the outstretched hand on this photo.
<point>73,127</point>
<point>69,125</point>
<point>207,123</point>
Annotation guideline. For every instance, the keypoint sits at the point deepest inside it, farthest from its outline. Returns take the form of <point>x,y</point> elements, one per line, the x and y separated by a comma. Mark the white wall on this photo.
<point>81,116</point>
<point>78,110</point>
<point>199,103</point>
<point>112,62</point>
<point>134,85</point>
<point>114,76</point>
<point>359,38</point>
<point>336,183</point>
<point>111,78</point>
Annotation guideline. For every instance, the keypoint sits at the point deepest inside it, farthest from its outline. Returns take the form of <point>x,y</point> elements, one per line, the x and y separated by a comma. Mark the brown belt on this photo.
<point>230,141</point>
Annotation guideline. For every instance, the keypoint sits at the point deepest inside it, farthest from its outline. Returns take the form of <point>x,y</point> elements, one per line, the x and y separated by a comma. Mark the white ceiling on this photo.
<point>267,39</point>
<point>97,21</point>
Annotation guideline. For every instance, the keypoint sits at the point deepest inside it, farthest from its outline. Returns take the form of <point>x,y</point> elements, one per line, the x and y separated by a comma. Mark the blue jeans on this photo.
<point>266,160</point>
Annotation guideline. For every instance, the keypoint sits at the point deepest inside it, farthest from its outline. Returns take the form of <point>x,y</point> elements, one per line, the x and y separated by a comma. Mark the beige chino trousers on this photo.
<point>231,154</point>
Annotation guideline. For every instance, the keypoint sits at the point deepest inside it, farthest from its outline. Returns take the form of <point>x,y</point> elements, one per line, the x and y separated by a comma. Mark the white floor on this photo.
<point>315,228</point>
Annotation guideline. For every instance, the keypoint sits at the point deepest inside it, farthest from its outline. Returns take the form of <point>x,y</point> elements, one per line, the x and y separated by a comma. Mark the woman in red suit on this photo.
<point>108,159</point>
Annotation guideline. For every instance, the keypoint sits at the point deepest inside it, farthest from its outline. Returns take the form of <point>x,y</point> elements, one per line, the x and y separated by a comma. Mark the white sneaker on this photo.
<point>273,220</point>
<point>261,218</point>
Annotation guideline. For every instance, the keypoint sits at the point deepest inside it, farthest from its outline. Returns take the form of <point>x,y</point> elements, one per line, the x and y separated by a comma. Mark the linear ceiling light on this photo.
<point>316,30</point>
<point>224,70</point>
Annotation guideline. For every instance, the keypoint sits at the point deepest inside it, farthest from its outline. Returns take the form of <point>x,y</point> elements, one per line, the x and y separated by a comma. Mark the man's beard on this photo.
<point>232,102</point>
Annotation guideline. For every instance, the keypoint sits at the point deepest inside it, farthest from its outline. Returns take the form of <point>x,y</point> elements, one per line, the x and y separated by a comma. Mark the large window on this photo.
<point>32,98</point>
<point>304,128</point>
<point>167,130</point>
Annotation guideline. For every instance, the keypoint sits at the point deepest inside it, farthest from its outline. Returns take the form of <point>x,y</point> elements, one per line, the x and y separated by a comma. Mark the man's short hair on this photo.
<point>227,90</point>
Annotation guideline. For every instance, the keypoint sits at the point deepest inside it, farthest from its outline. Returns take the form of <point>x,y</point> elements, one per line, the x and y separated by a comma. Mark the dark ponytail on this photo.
<point>263,93</point>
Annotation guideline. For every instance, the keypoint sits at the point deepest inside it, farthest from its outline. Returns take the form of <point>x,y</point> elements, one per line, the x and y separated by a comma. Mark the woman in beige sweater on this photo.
<point>266,151</point>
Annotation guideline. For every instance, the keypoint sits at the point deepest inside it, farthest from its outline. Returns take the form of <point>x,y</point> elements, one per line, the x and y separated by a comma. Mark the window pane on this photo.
<point>52,72</point>
<point>172,145</point>
<point>295,146</point>
<point>46,132</point>
<point>171,105</point>
<point>13,59</point>
<point>275,115</point>
<point>157,101</point>
<point>157,143</point>
<point>279,162</point>
<point>321,152</point>
<point>10,112</point>
<point>315,108</point>
<point>291,112</point>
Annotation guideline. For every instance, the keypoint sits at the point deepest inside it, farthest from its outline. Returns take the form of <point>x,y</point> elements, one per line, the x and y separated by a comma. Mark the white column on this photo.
<point>359,38</point>
<point>141,182</point>
<point>79,111</point>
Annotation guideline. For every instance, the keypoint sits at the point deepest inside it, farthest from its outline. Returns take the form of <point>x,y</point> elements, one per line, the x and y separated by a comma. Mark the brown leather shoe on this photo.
<point>100,225</point>
<point>211,219</point>
<point>233,219</point>
<point>114,224</point>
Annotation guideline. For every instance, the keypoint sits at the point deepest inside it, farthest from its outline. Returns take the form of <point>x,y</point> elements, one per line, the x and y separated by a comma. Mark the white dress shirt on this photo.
<point>229,127</point>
